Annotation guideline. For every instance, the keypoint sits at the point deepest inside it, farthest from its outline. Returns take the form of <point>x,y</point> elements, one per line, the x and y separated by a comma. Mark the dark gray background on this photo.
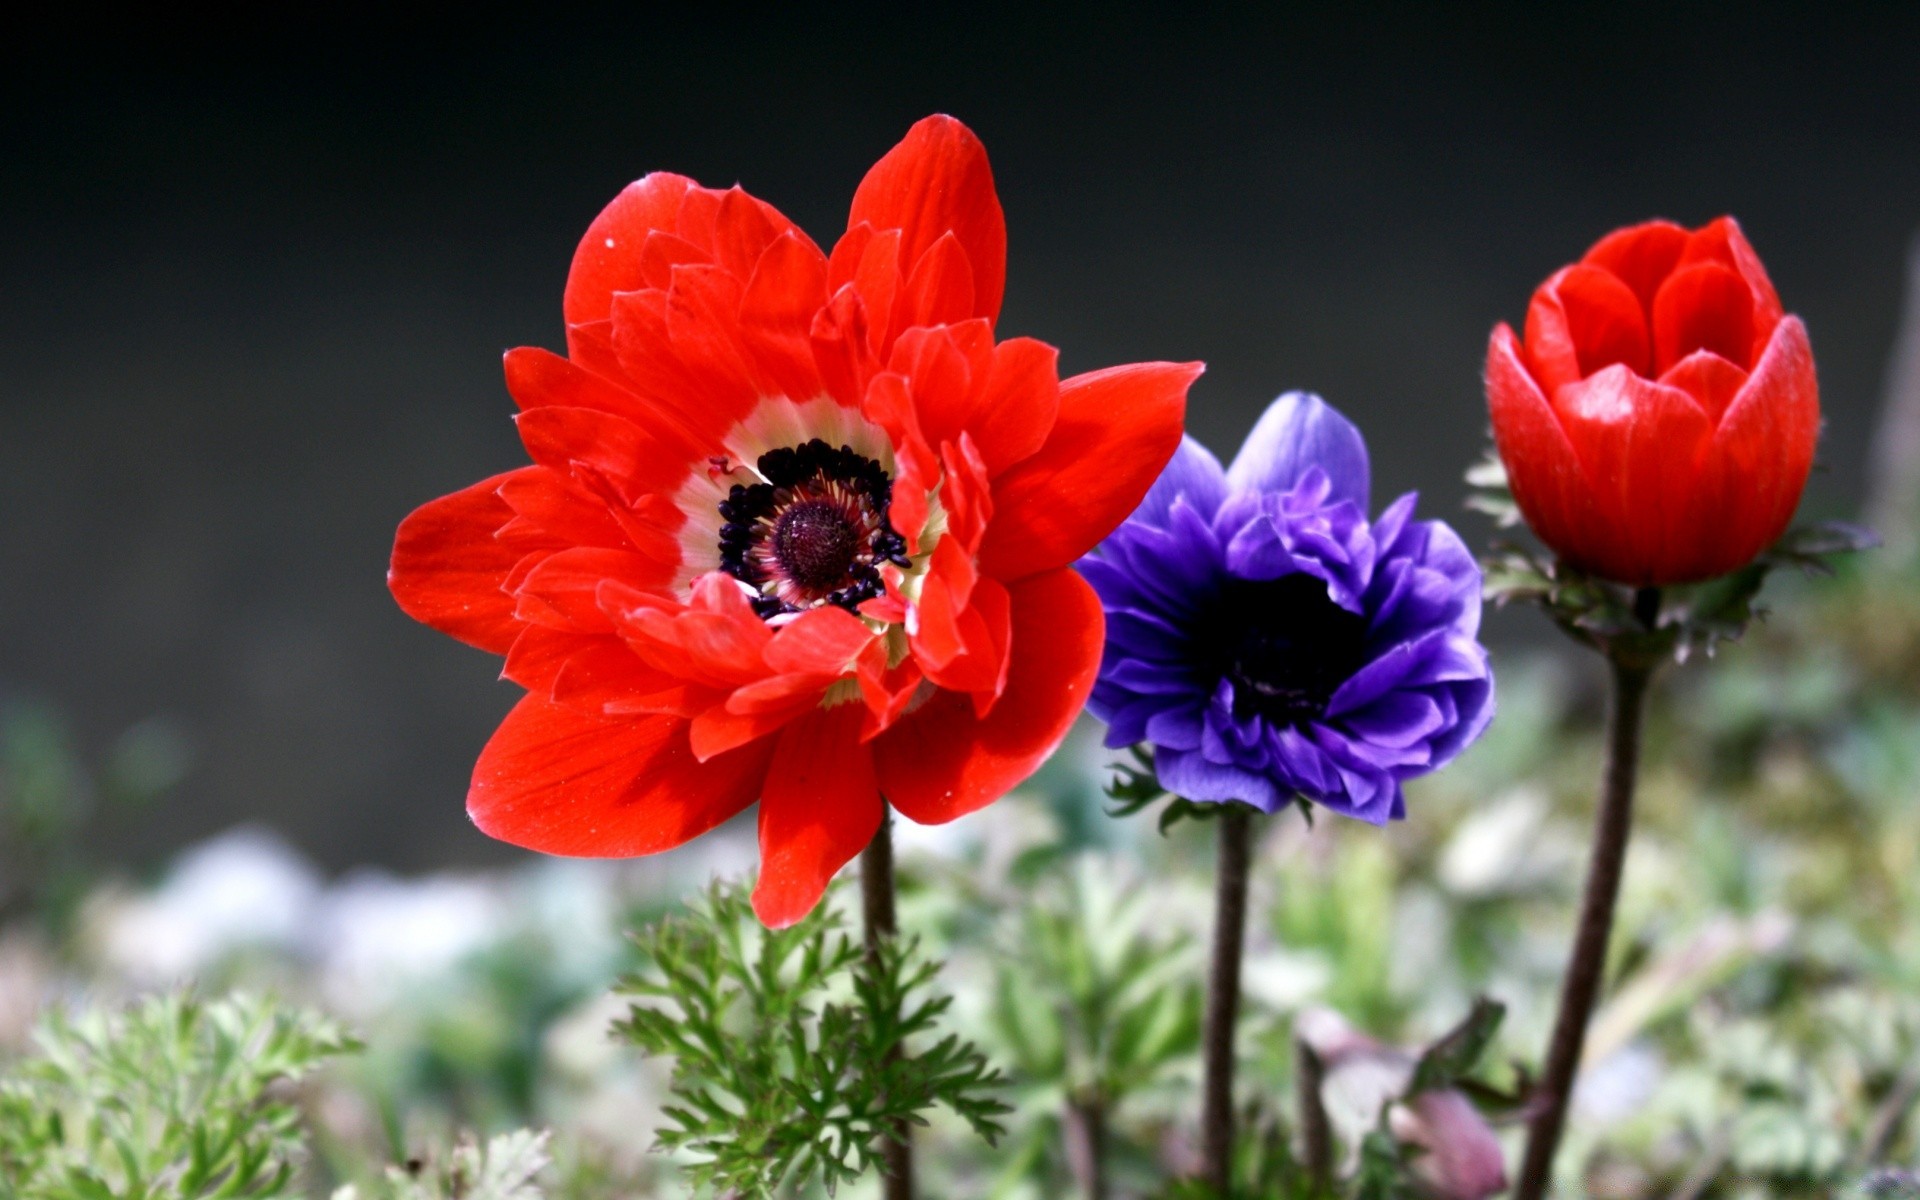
<point>257,282</point>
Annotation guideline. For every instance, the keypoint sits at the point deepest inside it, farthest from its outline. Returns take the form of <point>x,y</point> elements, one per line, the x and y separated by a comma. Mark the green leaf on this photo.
<point>794,1051</point>
<point>1459,1050</point>
<point>174,1098</point>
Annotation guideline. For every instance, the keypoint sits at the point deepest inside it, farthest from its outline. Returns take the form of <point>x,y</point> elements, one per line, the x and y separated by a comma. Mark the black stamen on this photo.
<point>1283,644</point>
<point>816,532</point>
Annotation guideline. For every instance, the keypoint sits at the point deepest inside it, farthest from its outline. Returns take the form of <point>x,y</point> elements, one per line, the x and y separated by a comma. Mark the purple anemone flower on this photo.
<point>1269,642</point>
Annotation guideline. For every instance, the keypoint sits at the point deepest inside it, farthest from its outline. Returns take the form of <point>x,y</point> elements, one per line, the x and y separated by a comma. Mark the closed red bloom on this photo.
<point>797,529</point>
<point>1659,421</point>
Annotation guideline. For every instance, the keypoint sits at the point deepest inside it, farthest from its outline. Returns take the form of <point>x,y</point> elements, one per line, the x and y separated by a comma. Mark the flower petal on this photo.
<point>819,808</point>
<point>1117,428</point>
<point>1640,256</point>
<point>609,257</point>
<point>1640,445</point>
<point>1722,241</point>
<point>1191,775</point>
<point>561,781</point>
<point>1193,473</point>
<point>729,229</point>
<point>1711,380</point>
<point>940,761</point>
<point>934,182</point>
<point>1542,467</point>
<point>447,570</point>
<point>1757,463</point>
<point>1582,320</point>
<point>1702,307</point>
<point>787,288</point>
<point>1300,431</point>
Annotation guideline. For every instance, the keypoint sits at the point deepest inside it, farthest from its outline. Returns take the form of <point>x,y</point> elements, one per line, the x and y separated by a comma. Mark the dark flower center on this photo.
<point>1284,645</point>
<point>814,533</point>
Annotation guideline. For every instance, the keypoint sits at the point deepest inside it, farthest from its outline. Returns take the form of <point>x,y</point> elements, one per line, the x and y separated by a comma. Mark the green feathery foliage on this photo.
<point>172,1099</point>
<point>793,1050</point>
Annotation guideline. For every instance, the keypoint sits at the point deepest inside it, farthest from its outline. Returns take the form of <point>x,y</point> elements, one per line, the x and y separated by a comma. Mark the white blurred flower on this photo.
<point>1619,1085</point>
<point>948,842</point>
<point>1499,848</point>
<point>376,935</point>
<point>245,888</point>
<point>573,906</point>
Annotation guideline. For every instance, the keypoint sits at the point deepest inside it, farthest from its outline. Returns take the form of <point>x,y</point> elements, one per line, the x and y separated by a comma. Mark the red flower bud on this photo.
<point>1659,420</point>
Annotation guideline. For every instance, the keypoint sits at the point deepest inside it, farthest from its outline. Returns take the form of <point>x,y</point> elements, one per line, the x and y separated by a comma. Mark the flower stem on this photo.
<point>1223,998</point>
<point>1087,1144</point>
<point>1316,1129</point>
<point>1586,968</point>
<point>876,908</point>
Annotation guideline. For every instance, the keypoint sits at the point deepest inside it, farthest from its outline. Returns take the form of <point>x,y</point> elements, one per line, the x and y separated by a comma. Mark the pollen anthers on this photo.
<point>813,531</point>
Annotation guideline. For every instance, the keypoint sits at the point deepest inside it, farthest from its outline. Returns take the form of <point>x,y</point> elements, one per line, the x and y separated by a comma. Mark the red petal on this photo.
<point>744,228</point>
<point>1015,409</point>
<point>717,640</point>
<point>940,289</point>
<point>537,655</point>
<point>1583,320</point>
<point>889,404</point>
<point>1722,242</point>
<point>608,259</point>
<point>656,223</point>
<point>719,728</point>
<point>560,781</point>
<point>703,326</point>
<point>539,378</point>
<point>940,761</point>
<point>1542,467</point>
<point>1703,307</point>
<point>822,641</point>
<point>788,286</point>
<point>840,337</point>
<point>1640,444</point>
<point>562,509</point>
<point>1757,463</point>
<point>877,279</point>
<point>1006,397</point>
<point>1642,256</point>
<point>809,654</point>
<point>636,460</point>
<point>565,585</point>
<point>603,675</point>
<point>1712,381</point>
<point>1116,429</point>
<point>937,181</point>
<point>447,570</point>
<point>819,808</point>
<point>949,581</point>
<point>662,253</point>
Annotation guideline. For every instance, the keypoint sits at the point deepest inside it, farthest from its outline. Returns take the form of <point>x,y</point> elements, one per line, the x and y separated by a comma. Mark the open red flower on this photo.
<point>1659,421</point>
<point>797,528</point>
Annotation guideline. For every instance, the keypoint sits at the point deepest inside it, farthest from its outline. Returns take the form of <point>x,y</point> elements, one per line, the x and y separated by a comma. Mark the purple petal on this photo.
<point>1190,775</point>
<point>1297,432</point>
<point>1176,728</point>
<point>1193,473</point>
<point>1397,719</point>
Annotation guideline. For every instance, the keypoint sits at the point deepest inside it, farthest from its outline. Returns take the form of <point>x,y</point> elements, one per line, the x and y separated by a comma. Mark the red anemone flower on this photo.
<point>797,528</point>
<point>1659,421</point>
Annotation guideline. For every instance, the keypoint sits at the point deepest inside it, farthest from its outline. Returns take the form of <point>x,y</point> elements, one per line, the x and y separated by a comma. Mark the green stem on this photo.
<point>1086,1130</point>
<point>1586,969</point>
<point>876,908</point>
<point>1223,997</point>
